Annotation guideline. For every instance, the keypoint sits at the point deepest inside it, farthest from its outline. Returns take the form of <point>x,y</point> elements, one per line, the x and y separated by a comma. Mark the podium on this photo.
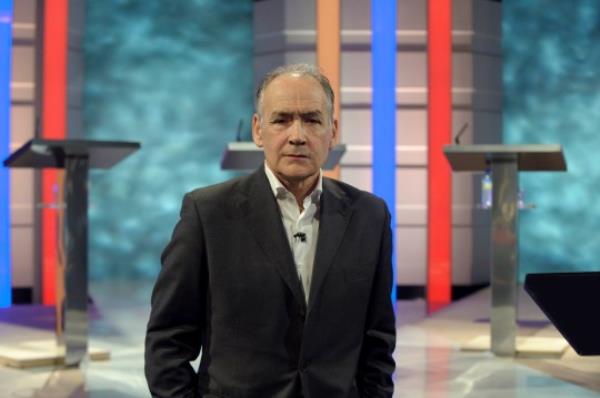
<point>76,157</point>
<point>505,162</point>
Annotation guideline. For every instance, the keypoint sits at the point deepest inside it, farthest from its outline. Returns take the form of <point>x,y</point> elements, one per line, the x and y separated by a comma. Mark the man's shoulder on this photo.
<point>354,196</point>
<point>221,191</point>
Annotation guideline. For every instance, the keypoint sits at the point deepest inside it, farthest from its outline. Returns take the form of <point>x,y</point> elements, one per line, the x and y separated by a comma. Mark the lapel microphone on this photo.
<point>301,236</point>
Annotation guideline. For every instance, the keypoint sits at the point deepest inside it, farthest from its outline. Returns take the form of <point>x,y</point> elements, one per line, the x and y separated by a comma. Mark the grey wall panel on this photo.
<point>411,69</point>
<point>355,70</point>
<point>358,122</point>
<point>23,92</point>
<point>411,196</point>
<point>411,264</point>
<point>284,32</point>
<point>481,263</point>
<point>471,261</point>
<point>487,73</point>
<point>265,62</point>
<point>75,68</point>
<point>412,14</point>
<point>416,97</point>
<point>279,15</point>
<point>75,78</point>
<point>355,15</point>
<point>410,124</point>
<point>22,124</point>
<point>462,255</point>
<point>488,21</point>
<point>22,256</point>
<point>24,12</point>
<point>360,177</point>
<point>268,17</point>
<point>75,122</point>
<point>21,192</point>
<point>301,56</point>
<point>406,156</point>
<point>23,63</point>
<point>300,15</point>
<point>488,126</point>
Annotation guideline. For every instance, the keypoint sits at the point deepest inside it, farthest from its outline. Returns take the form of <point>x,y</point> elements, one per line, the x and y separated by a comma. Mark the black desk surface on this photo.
<point>570,301</point>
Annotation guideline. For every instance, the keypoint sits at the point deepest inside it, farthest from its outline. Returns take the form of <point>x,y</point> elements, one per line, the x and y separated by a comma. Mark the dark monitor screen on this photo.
<point>570,301</point>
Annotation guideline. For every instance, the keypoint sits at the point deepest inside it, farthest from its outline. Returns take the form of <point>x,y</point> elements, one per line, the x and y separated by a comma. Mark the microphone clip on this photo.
<point>300,235</point>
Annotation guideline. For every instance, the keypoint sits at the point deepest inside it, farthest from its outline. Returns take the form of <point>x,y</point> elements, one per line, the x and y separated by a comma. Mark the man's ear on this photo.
<point>334,134</point>
<point>256,131</point>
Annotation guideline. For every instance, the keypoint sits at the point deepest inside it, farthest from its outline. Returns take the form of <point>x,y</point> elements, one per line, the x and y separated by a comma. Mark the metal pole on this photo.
<point>505,259</point>
<point>76,267</point>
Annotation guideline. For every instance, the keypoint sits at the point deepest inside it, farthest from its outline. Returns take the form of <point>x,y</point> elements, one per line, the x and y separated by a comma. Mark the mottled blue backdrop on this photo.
<point>552,95</point>
<point>176,76</point>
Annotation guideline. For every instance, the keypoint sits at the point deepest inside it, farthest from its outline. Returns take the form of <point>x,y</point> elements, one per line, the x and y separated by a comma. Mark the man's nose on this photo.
<point>297,133</point>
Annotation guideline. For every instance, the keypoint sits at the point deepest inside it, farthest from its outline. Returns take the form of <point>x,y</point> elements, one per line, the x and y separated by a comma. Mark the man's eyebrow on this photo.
<point>309,114</point>
<point>276,114</point>
<point>287,114</point>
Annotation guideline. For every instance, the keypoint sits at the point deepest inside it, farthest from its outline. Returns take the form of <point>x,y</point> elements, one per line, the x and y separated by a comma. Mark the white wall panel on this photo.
<point>22,121</point>
<point>411,263</point>
<point>22,244</point>
<point>360,177</point>
<point>23,91</point>
<point>21,194</point>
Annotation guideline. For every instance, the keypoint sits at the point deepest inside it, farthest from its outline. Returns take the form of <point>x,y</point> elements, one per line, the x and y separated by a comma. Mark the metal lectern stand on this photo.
<point>504,162</point>
<point>76,157</point>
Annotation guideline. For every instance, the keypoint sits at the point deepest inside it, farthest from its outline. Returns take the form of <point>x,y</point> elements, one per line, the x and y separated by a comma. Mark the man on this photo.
<point>281,278</point>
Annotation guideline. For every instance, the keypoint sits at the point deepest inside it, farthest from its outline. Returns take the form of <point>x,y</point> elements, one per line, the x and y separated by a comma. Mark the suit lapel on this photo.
<point>264,220</point>
<point>334,216</point>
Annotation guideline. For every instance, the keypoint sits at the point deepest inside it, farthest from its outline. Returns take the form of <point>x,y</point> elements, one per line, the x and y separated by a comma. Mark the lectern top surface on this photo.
<point>535,157</point>
<point>44,153</point>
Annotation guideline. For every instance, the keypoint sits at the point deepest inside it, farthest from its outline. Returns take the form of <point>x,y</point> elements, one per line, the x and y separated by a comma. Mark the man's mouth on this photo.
<point>297,156</point>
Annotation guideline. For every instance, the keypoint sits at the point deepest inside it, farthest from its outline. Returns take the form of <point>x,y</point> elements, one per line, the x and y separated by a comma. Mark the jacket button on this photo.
<point>304,366</point>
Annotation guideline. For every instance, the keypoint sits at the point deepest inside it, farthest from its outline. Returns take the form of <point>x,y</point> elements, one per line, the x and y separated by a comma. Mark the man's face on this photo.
<point>294,127</point>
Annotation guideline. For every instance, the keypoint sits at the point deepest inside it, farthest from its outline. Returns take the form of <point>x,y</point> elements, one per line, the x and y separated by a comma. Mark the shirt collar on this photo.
<point>280,191</point>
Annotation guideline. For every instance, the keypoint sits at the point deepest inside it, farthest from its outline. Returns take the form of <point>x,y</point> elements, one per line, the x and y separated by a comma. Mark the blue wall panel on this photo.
<point>383,41</point>
<point>176,76</point>
<point>6,17</point>
<point>552,95</point>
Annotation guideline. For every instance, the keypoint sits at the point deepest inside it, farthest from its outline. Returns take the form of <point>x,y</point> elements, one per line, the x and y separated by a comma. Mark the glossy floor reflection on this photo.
<point>430,363</point>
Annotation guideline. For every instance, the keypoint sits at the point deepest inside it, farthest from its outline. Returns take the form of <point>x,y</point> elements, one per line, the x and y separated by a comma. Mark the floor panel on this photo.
<point>429,361</point>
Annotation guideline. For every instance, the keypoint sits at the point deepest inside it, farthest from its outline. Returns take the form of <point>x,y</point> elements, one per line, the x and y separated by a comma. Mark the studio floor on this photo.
<point>429,360</point>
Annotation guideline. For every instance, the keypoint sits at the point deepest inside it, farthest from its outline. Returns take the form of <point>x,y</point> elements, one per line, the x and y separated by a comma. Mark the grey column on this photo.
<point>504,255</point>
<point>76,243</point>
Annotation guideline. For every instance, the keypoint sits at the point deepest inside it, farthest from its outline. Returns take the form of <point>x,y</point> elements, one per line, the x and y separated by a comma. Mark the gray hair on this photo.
<point>297,69</point>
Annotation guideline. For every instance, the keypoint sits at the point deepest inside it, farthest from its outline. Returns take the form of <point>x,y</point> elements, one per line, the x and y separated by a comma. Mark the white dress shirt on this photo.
<point>301,227</point>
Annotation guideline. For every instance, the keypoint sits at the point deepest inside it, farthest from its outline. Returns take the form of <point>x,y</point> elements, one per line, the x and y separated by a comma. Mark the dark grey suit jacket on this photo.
<point>229,287</point>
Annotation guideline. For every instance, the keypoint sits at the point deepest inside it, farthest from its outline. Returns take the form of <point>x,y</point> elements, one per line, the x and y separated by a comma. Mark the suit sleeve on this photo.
<point>376,364</point>
<point>174,332</point>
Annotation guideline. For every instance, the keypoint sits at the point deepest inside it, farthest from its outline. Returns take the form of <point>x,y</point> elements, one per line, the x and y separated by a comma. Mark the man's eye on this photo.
<point>314,121</point>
